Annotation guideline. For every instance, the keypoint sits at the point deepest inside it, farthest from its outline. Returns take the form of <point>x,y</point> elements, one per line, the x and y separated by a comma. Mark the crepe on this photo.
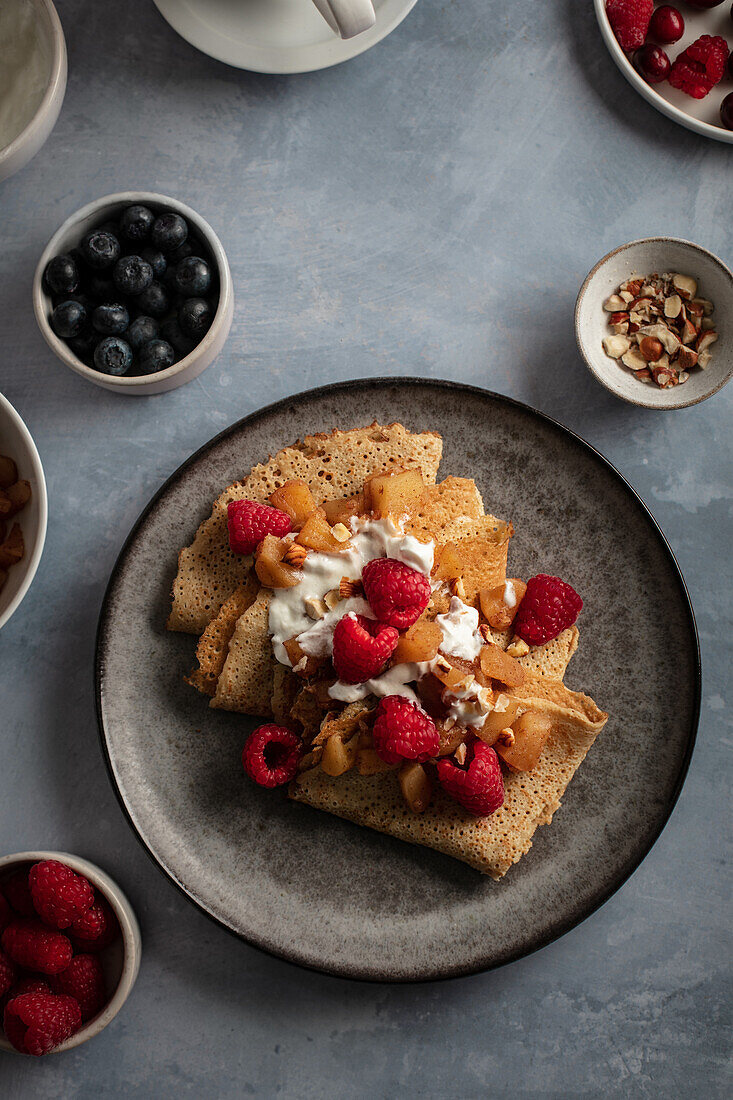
<point>489,844</point>
<point>332,465</point>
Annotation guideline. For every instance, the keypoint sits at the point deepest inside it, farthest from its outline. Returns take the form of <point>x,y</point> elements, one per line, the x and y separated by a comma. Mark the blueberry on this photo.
<point>171,331</point>
<point>100,249</point>
<point>193,277</point>
<point>132,275</point>
<point>84,344</point>
<point>154,356</point>
<point>156,260</point>
<point>180,253</point>
<point>68,319</point>
<point>195,316</point>
<point>62,274</point>
<point>169,231</point>
<point>136,222</point>
<point>113,356</point>
<point>142,330</point>
<point>153,300</point>
<point>110,319</point>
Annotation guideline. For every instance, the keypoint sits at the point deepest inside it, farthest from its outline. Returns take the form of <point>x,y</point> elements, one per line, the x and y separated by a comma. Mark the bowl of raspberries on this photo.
<point>134,293</point>
<point>69,951</point>
<point>678,56</point>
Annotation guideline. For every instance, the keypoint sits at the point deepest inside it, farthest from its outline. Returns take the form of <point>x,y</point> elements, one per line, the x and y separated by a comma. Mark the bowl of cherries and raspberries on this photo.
<point>69,951</point>
<point>134,293</point>
<point>664,45</point>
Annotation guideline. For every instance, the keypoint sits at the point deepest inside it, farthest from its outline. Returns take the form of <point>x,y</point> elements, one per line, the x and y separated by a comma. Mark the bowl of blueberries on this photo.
<point>134,293</point>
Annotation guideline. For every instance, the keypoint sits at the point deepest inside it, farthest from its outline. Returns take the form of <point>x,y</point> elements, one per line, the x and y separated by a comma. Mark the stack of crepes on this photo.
<point>216,595</point>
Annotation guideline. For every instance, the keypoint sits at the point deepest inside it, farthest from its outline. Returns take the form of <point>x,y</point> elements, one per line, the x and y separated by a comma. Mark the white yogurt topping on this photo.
<point>461,636</point>
<point>392,682</point>
<point>510,594</point>
<point>321,573</point>
<point>25,65</point>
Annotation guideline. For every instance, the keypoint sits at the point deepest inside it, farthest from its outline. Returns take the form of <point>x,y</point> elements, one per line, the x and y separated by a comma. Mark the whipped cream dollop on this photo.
<point>322,573</point>
<point>510,594</point>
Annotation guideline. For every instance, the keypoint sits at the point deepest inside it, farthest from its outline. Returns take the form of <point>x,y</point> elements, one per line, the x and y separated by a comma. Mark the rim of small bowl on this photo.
<point>717,133</point>
<point>56,83</point>
<point>98,207</point>
<point>42,492</point>
<point>646,404</point>
<point>131,941</point>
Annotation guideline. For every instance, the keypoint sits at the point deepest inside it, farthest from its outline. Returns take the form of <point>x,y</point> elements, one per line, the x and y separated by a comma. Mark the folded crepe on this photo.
<point>332,465</point>
<point>217,595</point>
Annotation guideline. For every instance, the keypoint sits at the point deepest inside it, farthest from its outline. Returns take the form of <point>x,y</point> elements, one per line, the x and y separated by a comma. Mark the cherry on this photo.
<point>726,112</point>
<point>653,63</point>
<point>667,25</point>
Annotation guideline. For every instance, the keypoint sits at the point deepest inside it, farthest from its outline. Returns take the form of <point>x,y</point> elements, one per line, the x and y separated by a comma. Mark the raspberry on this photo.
<point>361,648</point>
<point>271,755</point>
<point>397,594</point>
<point>84,981</point>
<point>700,67</point>
<point>37,1022</point>
<point>8,973</point>
<point>18,894</point>
<point>59,894</point>
<point>31,984</point>
<point>478,786</point>
<point>33,946</point>
<point>5,915</point>
<point>96,928</point>
<point>402,731</point>
<point>249,522</point>
<point>549,606</point>
<point>630,20</point>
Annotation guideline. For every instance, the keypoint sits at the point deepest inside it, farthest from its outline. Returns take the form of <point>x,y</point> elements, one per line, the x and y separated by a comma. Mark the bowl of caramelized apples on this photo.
<point>23,509</point>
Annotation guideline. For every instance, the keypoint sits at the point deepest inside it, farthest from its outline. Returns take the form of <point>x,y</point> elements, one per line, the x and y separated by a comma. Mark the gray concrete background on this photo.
<point>430,208</point>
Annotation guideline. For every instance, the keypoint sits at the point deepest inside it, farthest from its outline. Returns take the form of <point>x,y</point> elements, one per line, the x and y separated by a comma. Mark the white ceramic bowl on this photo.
<point>656,254</point>
<point>17,442</point>
<point>700,115</point>
<point>24,147</point>
<point>120,961</point>
<point>69,236</point>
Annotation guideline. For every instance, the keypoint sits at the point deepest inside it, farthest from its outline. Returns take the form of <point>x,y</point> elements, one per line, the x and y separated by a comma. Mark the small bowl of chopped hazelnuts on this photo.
<point>652,322</point>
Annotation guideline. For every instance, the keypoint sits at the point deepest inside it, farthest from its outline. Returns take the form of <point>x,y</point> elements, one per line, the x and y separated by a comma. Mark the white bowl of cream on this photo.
<point>32,79</point>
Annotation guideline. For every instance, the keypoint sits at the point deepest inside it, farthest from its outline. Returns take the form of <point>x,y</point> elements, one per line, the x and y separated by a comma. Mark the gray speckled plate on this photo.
<point>327,894</point>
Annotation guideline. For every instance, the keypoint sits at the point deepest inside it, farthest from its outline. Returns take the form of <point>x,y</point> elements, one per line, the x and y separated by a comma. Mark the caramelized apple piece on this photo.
<point>296,655</point>
<point>430,690</point>
<point>450,739</point>
<point>368,762</point>
<point>8,472</point>
<point>447,564</point>
<point>498,665</point>
<point>13,548</point>
<point>420,643</point>
<point>417,790</point>
<point>295,498</point>
<point>396,493</point>
<point>497,613</point>
<point>317,534</point>
<point>451,676</point>
<point>269,565</point>
<point>500,718</point>
<point>339,757</point>
<point>343,509</point>
<point>531,731</point>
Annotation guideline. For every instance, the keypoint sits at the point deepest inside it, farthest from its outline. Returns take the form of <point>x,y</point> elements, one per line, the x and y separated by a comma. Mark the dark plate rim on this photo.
<point>559,927</point>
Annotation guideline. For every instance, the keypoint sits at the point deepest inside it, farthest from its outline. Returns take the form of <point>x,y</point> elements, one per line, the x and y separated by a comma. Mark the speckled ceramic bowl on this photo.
<point>17,442</point>
<point>638,258</point>
<point>192,365</point>
<point>120,961</point>
<point>24,147</point>
<point>325,893</point>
